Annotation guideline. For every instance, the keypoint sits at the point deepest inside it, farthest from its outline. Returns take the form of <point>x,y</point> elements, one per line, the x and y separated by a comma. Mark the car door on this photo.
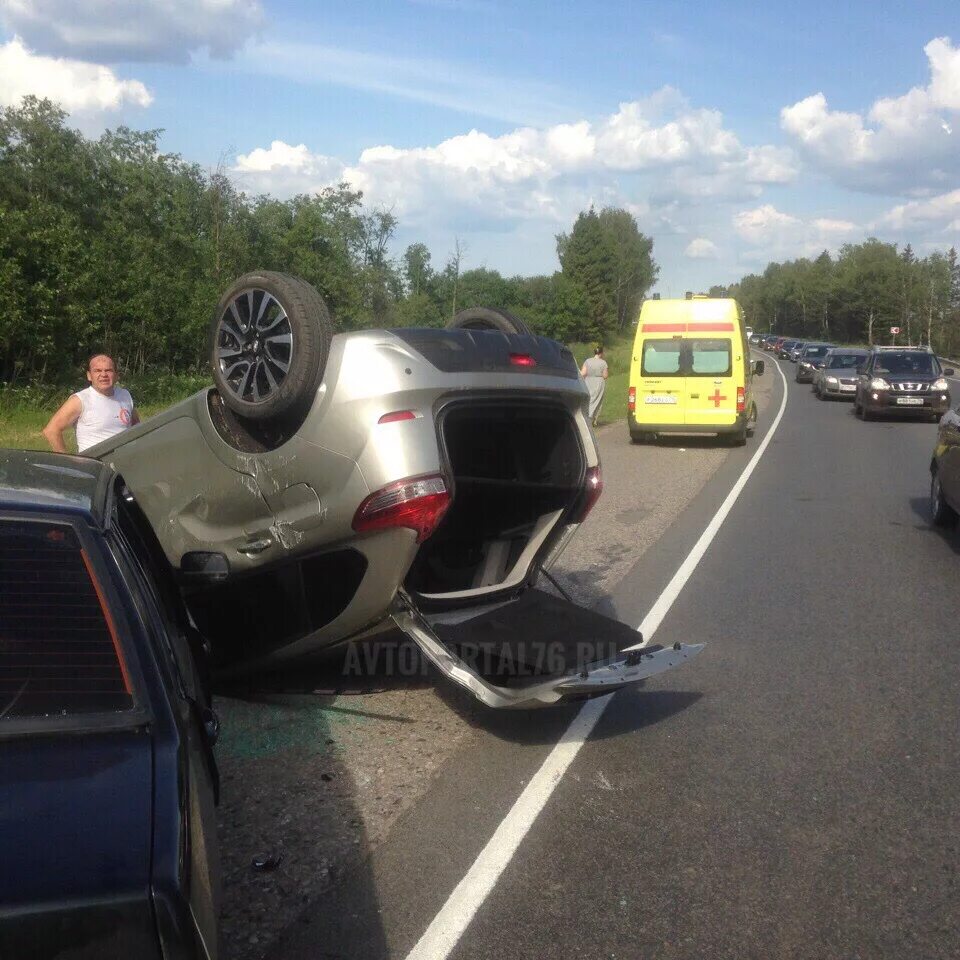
<point>194,500</point>
<point>948,457</point>
<point>661,391</point>
<point>535,650</point>
<point>710,363</point>
<point>179,648</point>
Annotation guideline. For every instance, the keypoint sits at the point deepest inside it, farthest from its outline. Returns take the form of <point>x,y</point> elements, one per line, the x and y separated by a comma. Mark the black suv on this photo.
<point>902,380</point>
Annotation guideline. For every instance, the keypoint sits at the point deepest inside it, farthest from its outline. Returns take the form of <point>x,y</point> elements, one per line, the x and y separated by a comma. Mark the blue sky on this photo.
<point>736,133</point>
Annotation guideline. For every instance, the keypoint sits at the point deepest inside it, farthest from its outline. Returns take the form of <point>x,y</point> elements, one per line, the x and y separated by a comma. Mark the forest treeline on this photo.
<point>858,296</point>
<point>111,244</point>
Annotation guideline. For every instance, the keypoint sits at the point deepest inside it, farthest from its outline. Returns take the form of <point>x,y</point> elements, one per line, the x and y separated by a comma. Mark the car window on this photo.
<point>709,357</point>
<point>921,364</point>
<point>59,650</point>
<point>815,351</point>
<point>660,358</point>
<point>845,361</point>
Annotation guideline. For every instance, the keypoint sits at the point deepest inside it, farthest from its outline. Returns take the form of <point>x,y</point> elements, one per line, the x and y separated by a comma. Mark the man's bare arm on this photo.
<point>135,419</point>
<point>66,416</point>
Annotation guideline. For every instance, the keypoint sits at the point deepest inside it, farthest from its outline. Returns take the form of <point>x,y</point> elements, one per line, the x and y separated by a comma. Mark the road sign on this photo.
<point>894,330</point>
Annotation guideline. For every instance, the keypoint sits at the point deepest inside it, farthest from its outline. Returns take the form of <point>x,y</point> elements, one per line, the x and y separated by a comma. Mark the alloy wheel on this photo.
<point>254,345</point>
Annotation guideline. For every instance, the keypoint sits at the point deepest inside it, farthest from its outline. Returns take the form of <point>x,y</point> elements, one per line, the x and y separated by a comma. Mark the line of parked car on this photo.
<point>884,381</point>
<point>881,381</point>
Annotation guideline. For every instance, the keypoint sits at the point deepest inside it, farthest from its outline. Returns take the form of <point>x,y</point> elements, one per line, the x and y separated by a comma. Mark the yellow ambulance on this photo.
<point>691,370</point>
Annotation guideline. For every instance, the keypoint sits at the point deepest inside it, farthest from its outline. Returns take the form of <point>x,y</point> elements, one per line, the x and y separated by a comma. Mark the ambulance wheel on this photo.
<point>739,438</point>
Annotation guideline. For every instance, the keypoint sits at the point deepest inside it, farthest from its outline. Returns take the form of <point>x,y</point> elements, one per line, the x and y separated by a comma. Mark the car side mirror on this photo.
<point>201,567</point>
<point>758,368</point>
<point>949,372</point>
<point>211,724</point>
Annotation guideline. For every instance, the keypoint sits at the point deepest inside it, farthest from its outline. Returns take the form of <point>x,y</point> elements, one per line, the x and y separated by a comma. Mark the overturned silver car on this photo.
<point>328,483</point>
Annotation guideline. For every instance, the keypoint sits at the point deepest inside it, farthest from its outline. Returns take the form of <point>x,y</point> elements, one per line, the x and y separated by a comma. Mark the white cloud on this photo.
<point>632,139</point>
<point>904,144</point>
<point>773,235</point>
<point>701,249</point>
<point>117,30</point>
<point>940,212</point>
<point>76,86</point>
<point>764,224</point>
<point>294,169</point>
<point>546,173</point>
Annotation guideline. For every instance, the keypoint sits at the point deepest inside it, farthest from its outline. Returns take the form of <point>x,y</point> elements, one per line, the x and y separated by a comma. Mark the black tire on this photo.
<point>269,377</point>
<point>641,436</point>
<point>942,514</point>
<point>488,318</point>
<point>739,438</point>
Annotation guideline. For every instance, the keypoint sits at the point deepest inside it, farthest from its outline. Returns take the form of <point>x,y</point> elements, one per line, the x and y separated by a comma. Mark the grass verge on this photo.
<point>617,352</point>
<point>24,411</point>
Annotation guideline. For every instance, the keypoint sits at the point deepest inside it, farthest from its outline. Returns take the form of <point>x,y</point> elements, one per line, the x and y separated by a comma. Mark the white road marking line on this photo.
<point>665,601</point>
<point>449,924</point>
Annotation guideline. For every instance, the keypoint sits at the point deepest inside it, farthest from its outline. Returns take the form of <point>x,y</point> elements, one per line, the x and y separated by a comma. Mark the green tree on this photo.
<point>588,261</point>
<point>635,270</point>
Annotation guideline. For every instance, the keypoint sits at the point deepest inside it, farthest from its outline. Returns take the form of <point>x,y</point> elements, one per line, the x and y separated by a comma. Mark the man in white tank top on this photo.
<point>99,412</point>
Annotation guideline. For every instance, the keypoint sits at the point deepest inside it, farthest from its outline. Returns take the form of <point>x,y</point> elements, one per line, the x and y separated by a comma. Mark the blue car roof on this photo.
<point>36,480</point>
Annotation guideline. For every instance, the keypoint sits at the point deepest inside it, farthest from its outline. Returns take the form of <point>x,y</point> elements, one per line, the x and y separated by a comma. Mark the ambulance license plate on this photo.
<point>660,398</point>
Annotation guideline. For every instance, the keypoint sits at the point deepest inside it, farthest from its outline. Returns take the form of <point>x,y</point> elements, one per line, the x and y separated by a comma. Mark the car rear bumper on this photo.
<point>638,427</point>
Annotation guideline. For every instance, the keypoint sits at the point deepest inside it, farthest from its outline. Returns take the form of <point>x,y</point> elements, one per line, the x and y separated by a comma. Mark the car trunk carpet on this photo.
<point>537,636</point>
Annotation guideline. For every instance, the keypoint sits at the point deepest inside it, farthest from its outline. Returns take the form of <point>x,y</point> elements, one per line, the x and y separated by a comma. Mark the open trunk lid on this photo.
<point>535,651</point>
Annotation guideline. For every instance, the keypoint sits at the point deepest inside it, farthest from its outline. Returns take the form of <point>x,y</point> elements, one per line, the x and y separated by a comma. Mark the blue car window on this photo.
<point>59,651</point>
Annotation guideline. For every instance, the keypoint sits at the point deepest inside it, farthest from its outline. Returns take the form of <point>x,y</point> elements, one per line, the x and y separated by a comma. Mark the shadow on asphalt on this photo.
<point>389,661</point>
<point>636,708</point>
<point>949,534</point>
<point>689,442</point>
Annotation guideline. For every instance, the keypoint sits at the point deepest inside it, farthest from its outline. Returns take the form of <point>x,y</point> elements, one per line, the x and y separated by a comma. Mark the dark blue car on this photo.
<point>108,783</point>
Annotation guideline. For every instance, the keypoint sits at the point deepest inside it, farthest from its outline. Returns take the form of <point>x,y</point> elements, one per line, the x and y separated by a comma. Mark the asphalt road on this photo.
<point>791,793</point>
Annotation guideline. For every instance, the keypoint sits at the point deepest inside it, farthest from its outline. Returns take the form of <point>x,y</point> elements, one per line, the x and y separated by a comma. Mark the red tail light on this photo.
<point>418,503</point>
<point>522,360</point>
<point>741,400</point>
<point>592,489</point>
<point>397,415</point>
<point>632,399</point>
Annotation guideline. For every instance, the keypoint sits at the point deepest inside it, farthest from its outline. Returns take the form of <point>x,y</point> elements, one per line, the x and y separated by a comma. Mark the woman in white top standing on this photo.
<point>595,371</point>
<point>99,412</point>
